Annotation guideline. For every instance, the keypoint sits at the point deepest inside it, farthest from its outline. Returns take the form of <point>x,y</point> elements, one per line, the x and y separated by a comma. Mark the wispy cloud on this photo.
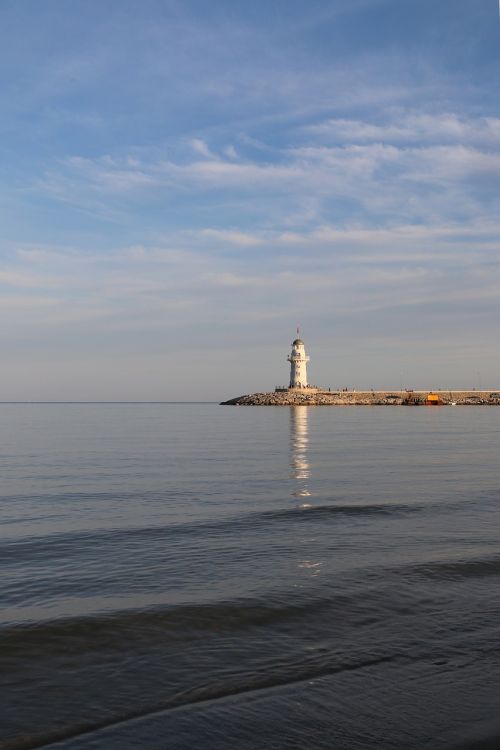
<point>374,182</point>
<point>412,127</point>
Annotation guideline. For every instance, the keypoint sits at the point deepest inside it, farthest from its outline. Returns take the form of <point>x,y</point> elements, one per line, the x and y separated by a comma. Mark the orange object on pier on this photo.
<point>433,399</point>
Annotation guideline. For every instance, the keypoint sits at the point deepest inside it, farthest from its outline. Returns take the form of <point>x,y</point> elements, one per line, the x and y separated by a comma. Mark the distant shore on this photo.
<point>317,397</point>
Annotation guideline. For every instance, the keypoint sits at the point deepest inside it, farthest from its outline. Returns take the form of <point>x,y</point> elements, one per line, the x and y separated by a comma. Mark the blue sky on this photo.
<point>183,183</point>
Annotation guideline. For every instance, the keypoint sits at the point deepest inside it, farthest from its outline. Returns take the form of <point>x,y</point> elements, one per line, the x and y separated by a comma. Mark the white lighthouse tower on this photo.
<point>298,364</point>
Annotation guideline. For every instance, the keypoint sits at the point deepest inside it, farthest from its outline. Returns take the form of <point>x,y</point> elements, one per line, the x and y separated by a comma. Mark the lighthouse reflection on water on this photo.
<point>306,545</point>
<point>299,446</point>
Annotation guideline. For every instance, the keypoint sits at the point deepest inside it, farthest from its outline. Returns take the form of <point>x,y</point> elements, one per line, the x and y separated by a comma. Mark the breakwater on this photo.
<point>316,397</point>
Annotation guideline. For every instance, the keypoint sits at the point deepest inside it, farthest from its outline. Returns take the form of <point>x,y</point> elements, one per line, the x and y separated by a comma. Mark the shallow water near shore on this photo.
<point>193,575</point>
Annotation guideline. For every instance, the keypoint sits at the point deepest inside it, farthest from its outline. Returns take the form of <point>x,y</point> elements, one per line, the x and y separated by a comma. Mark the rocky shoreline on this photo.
<point>313,397</point>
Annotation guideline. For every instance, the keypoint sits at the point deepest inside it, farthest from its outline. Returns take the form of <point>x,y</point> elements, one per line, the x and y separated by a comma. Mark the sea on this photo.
<point>180,576</point>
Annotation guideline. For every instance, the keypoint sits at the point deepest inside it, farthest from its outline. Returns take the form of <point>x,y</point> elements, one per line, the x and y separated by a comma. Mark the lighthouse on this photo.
<point>298,364</point>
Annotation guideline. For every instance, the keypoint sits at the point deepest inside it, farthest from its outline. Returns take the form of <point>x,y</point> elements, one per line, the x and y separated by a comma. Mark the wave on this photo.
<point>247,684</point>
<point>60,544</point>
<point>308,512</point>
<point>165,634</point>
<point>172,635</point>
<point>476,567</point>
<point>183,619</point>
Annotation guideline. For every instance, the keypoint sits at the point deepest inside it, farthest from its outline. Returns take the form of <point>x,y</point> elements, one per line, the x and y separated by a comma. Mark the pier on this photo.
<point>313,397</point>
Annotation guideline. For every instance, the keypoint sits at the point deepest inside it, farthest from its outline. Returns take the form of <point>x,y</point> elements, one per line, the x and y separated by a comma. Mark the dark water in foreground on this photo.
<point>189,575</point>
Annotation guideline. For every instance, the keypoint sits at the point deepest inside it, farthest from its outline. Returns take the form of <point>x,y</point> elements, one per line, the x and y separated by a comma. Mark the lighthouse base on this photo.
<point>304,389</point>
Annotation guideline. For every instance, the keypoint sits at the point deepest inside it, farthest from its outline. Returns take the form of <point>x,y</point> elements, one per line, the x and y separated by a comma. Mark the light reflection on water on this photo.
<point>299,445</point>
<point>301,474</point>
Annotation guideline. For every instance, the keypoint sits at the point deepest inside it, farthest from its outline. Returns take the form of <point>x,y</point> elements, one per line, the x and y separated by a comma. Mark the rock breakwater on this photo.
<point>303,397</point>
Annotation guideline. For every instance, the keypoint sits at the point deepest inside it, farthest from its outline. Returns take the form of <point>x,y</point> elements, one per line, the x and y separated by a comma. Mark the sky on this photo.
<point>184,182</point>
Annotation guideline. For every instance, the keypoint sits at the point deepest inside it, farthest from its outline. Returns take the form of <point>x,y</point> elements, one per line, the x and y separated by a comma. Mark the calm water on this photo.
<point>196,576</point>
